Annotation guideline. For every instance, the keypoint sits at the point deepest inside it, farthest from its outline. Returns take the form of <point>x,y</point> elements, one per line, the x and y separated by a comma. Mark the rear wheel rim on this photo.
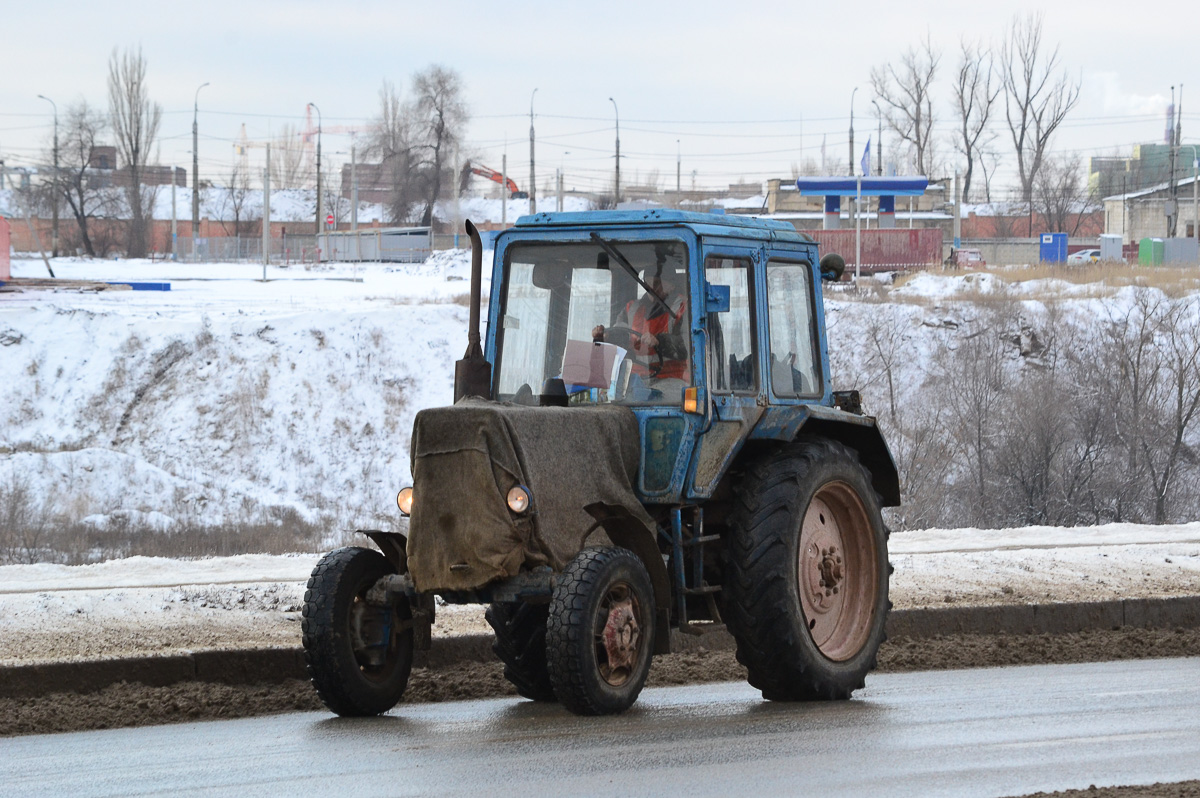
<point>838,583</point>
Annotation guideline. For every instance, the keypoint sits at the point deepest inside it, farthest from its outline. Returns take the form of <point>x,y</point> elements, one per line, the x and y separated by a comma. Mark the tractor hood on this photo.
<point>578,464</point>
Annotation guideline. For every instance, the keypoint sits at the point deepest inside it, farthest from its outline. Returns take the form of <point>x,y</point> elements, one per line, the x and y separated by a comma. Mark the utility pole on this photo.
<point>1173,146</point>
<point>320,217</point>
<point>54,202</point>
<point>532,177</point>
<point>878,140</point>
<point>266,218</point>
<point>354,199</point>
<point>617,184</point>
<point>957,213</point>
<point>857,231</point>
<point>678,168</point>
<point>851,161</point>
<point>174,221</point>
<point>353,187</point>
<point>196,168</point>
<point>504,191</point>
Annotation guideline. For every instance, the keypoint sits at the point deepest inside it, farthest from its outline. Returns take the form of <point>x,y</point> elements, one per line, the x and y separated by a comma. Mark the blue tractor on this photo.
<point>645,443</point>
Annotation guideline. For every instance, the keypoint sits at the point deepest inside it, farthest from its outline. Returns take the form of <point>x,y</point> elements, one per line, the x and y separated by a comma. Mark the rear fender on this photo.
<point>858,432</point>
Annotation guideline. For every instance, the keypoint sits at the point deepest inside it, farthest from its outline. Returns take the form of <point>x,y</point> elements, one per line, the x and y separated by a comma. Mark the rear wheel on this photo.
<point>808,592</point>
<point>600,633</point>
<point>359,654</point>
<point>521,645</point>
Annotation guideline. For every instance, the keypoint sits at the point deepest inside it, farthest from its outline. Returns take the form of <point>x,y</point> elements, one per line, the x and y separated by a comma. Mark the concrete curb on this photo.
<point>255,666</point>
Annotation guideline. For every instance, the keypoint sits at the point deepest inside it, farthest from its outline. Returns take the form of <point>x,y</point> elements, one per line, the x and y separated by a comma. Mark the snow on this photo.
<point>226,396</point>
<point>141,605</point>
<point>228,399</point>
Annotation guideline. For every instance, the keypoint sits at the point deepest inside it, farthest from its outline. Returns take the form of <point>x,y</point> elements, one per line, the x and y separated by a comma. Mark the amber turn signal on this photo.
<point>691,400</point>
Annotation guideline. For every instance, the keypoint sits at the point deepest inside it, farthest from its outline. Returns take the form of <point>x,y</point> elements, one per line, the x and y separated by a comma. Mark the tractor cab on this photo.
<point>701,324</point>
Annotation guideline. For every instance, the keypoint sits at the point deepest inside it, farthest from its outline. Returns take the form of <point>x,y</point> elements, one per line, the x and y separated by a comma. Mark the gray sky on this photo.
<point>730,84</point>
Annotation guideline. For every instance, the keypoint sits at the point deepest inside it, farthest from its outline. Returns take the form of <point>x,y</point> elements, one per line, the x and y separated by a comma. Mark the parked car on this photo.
<point>1083,256</point>
<point>966,258</point>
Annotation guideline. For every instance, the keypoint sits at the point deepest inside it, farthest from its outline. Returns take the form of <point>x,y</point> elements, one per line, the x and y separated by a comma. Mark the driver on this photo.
<point>655,331</point>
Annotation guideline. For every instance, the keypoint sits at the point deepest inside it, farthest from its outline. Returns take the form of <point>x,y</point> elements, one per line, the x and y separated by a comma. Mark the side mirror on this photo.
<point>716,299</point>
<point>833,266</point>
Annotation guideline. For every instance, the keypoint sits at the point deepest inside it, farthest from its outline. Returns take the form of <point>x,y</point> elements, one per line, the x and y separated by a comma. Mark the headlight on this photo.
<point>518,499</point>
<point>404,501</point>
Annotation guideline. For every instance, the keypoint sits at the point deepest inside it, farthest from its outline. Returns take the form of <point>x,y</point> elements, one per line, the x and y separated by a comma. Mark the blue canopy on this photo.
<point>871,186</point>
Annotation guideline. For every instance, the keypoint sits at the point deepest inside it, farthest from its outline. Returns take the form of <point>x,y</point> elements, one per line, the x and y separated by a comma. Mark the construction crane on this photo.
<point>464,179</point>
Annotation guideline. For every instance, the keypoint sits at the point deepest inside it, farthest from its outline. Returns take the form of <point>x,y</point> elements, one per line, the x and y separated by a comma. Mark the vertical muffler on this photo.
<point>473,374</point>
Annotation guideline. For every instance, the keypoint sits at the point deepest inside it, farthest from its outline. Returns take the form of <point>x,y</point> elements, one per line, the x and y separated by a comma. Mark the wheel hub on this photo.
<point>831,570</point>
<point>621,634</point>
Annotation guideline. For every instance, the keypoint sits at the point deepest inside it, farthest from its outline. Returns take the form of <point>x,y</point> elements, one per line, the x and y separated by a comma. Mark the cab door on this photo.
<point>732,363</point>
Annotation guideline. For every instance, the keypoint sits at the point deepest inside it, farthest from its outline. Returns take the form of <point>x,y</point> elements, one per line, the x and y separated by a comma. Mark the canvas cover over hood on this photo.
<point>466,458</point>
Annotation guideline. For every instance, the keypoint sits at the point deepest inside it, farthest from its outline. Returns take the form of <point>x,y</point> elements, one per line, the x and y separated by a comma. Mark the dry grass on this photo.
<point>1105,275</point>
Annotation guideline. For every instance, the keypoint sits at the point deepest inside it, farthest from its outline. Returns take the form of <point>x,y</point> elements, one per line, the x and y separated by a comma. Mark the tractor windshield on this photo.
<point>608,317</point>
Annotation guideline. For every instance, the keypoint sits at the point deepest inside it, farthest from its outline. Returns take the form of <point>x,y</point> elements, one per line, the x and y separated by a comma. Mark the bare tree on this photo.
<point>989,159</point>
<point>135,122</point>
<point>234,200</point>
<point>974,382</point>
<point>1035,102</point>
<point>440,118</point>
<point>82,129</point>
<point>976,88</point>
<point>287,159</point>
<point>1060,195</point>
<point>908,101</point>
<point>391,143</point>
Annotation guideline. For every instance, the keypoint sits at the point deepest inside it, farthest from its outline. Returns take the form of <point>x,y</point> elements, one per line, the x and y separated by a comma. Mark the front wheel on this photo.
<point>808,594</point>
<point>359,654</point>
<point>600,633</point>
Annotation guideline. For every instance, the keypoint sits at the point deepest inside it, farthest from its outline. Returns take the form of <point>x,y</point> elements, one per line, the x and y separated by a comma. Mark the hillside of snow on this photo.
<point>228,399</point>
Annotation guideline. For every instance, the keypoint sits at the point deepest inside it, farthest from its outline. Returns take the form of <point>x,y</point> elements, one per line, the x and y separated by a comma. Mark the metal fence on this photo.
<point>884,249</point>
<point>396,245</point>
<point>284,249</point>
<point>391,244</point>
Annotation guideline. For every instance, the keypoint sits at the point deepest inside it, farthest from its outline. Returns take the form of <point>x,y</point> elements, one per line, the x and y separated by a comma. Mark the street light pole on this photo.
<point>1195,191</point>
<point>196,167</point>
<point>317,228</point>
<point>532,178</point>
<point>54,202</point>
<point>851,161</point>
<point>879,142</point>
<point>617,116</point>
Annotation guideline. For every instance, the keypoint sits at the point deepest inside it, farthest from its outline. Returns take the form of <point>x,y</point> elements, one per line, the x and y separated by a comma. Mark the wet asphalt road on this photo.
<point>1004,731</point>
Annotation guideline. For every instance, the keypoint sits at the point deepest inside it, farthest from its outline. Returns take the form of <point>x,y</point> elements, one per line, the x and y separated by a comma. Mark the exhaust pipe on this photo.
<point>473,374</point>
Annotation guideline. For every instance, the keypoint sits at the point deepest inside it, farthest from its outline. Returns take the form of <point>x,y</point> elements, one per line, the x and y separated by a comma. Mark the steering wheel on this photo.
<point>653,367</point>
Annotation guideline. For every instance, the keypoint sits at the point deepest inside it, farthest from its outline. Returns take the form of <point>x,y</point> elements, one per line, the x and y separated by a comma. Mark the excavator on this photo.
<point>464,179</point>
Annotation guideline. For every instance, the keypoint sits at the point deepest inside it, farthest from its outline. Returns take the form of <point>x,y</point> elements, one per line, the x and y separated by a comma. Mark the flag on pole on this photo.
<point>866,159</point>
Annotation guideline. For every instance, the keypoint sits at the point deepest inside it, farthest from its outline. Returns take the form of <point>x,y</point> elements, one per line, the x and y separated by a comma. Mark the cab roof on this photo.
<point>701,222</point>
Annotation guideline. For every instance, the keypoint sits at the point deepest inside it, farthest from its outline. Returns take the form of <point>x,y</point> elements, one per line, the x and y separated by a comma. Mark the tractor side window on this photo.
<point>794,358</point>
<point>730,334</point>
